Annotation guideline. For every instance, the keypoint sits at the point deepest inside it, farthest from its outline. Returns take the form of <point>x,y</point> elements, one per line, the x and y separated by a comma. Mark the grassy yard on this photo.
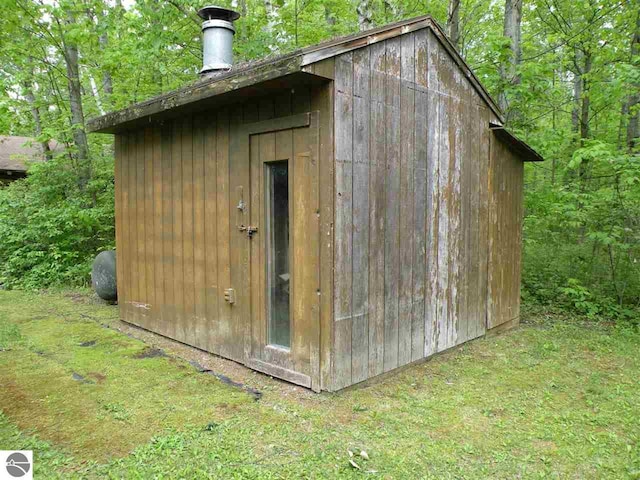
<point>95,398</point>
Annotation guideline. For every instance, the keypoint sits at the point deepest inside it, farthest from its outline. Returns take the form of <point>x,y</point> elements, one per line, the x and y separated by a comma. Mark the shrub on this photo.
<point>51,227</point>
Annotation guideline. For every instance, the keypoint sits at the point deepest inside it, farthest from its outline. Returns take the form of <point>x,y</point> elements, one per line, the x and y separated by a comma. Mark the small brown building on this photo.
<point>324,216</point>
<point>15,154</point>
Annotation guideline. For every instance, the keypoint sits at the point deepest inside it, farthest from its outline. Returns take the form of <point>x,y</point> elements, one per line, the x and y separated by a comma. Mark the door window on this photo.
<point>278,268</point>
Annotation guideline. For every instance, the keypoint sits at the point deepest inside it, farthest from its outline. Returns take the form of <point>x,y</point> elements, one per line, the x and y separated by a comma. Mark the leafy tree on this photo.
<point>565,72</point>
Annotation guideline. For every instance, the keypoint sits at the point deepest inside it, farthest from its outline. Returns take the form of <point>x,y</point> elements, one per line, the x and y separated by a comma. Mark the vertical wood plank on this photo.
<point>463,157</point>
<point>343,217</point>
<point>322,101</point>
<point>483,217</point>
<point>278,107</point>
<point>455,244</point>
<point>392,204</point>
<point>444,196</point>
<point>239,246</point>
<point>377,175</point>
<point>149,261</point>
<point>210,214</point>
<point>199,254</point>
<point>121,212</point>
<point>141,301</point>
<point>474,148</point>
<point>258,210</point>
<point>223,204</point>
<point>133,232</point>
<point>432,293</point>
<point>360,217</point>
<point>420,203</point>
<point>406,197</point>
<point>305,229</point>
<point>301,100</point>
<point>187,230</point>
<point>178,238</point>
<point>158,272</point>
<point>169,311</point>
<point>312,274</point>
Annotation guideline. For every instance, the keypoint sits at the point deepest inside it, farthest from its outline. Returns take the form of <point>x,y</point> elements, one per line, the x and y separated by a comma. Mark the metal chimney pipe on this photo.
<point>217,38</point>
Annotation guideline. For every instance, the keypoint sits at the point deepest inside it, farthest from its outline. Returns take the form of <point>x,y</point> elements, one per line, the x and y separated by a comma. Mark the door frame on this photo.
<point>243,153</point>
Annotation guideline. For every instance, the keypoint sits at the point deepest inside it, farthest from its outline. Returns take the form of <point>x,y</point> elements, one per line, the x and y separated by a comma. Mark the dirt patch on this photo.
<point>233,370</point>
<point>257,395</point>
<point>76,297</point>
<point>97,376</point>
<point>150,352</point>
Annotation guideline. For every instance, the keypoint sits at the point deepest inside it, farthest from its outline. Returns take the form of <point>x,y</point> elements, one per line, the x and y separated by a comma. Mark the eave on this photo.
<point>522,149</point>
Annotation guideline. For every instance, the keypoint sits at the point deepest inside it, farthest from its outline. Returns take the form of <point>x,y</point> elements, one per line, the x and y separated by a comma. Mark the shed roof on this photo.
<point>521,148</point>
<point>276,72</point>
<point>15,152</point>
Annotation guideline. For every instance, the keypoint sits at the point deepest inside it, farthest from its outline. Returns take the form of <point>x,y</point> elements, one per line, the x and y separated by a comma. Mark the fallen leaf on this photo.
<point>354,464</point>
<point>364,455</point>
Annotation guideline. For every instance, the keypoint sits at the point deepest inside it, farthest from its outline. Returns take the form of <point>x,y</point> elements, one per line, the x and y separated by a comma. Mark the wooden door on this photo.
<point>284,244</point>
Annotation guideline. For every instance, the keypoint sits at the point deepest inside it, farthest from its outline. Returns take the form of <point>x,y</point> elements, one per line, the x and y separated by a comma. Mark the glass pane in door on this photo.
<point>278,271</point>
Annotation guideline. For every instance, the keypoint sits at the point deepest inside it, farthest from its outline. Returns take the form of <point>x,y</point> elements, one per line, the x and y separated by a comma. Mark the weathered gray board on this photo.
<point>424,248</point>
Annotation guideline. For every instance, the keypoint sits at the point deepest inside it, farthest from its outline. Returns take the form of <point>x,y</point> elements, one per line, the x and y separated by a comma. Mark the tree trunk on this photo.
<point>273,20</point>
<point>453,22</point>
<point>365,20</point>
<point>586,101</point>
<point>631,107</point>
<point>75,105</point>
<point>577,91</point>
<point>583,112</point>
<point>509,68</point>
<point>37,121</point>
<point>107,84</point>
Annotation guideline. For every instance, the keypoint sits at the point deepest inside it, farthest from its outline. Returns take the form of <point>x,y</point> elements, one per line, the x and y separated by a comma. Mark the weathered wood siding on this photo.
<point>411,206</point>
<point>179,248</point>
<point>505,234</point>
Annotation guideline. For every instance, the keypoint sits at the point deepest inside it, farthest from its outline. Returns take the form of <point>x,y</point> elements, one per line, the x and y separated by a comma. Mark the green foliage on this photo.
<point>50,229</point>
<point>581,241</point>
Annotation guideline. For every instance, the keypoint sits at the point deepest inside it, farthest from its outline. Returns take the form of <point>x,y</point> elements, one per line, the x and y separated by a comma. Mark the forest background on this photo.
<point>565,72</point>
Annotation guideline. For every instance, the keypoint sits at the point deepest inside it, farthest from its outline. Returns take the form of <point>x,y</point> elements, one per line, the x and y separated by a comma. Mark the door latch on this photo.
<point>249,229</point>
<point>230,295</point>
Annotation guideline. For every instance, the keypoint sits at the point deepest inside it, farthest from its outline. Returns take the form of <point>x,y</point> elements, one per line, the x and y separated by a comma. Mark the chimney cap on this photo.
<point>213,12</point>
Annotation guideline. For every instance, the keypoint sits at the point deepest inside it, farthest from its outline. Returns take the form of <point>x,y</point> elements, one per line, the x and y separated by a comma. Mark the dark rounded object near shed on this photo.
<point>103,275</point>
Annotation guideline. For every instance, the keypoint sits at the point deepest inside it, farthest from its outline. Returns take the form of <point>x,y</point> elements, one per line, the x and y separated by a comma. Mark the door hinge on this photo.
<point>249,229</point>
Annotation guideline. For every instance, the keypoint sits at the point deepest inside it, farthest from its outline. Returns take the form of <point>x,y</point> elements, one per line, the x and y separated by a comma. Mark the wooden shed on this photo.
<point>323,216</point>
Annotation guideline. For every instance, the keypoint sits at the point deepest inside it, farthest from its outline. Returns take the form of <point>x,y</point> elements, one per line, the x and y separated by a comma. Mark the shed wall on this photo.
<point>177,242</point>
<point>411,206</point>
<point>505,235</point>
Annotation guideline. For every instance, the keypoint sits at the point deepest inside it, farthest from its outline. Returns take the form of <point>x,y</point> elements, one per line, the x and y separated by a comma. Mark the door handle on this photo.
<point>249,229</point>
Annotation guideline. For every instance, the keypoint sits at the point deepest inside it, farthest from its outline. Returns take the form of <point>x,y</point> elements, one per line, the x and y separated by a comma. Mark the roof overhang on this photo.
<point>203,96</point>
<point>271,73</point>
<point>520,148</point>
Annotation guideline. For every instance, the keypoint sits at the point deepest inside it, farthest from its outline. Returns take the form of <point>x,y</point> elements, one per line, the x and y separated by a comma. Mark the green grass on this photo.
<point>550,399</point>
